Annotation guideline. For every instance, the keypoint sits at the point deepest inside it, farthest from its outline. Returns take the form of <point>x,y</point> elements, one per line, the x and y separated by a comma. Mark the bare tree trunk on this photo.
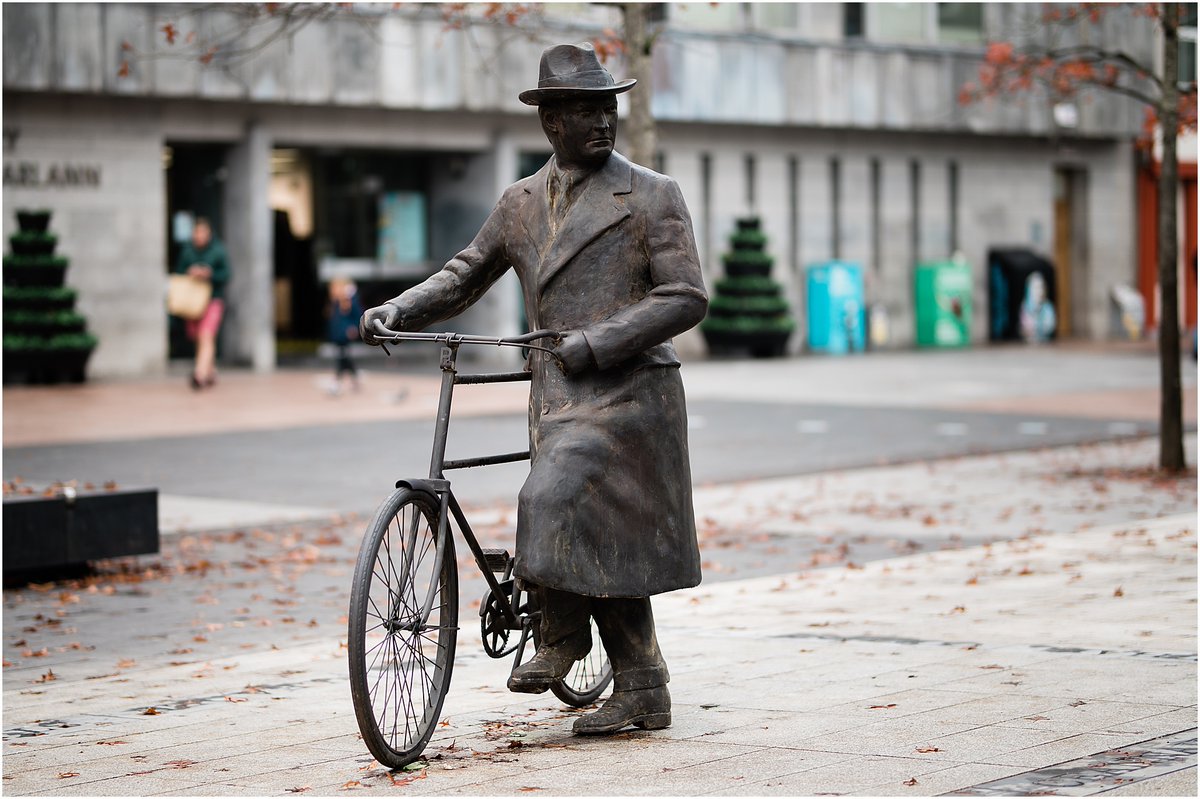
<point>1171,456</point>
<point>641,131</point>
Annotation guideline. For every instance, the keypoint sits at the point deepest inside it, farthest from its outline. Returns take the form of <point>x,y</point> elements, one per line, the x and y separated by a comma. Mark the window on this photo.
<point>794,210</point>
<point>952,193</point>
<point>725,17</point>
<point>1187,43</point>
<point>706,202</point>
<point>835,218</point>
<point>852,20</point>
<point>960,23</point>
<point>750,187</point>
<point>899,22</point>
<point>914,187</point>
<point>876,203</point>
<point>775,16</point>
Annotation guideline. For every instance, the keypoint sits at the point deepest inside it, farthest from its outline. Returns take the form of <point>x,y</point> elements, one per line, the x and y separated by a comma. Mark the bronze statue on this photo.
<point>605,254</point>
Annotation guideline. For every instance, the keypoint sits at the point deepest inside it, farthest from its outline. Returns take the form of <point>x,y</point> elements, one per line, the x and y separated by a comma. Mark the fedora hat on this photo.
<point>571,70</point>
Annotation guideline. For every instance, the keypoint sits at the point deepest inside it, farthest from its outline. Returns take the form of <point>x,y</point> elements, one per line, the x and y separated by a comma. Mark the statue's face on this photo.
<point>583,130</point>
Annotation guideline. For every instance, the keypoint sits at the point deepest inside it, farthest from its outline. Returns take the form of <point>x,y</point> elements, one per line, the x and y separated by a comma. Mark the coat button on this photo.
<point>546,357</point>
<point>545,407</point>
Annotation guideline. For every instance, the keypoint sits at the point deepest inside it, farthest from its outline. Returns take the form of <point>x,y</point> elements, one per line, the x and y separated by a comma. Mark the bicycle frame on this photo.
<point>437,482</point>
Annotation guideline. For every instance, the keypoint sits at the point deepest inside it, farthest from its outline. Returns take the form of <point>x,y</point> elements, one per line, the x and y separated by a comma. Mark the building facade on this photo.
<point>372,143</point>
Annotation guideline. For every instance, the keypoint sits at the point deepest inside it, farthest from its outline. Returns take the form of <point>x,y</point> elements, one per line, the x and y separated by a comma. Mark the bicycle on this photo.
<point>403,619</point>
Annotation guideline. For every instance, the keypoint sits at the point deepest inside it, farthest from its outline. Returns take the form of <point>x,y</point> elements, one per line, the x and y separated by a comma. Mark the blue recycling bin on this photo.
<point>836,308</point>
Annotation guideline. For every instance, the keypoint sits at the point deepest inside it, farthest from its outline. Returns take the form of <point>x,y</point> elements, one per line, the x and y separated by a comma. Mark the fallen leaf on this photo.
<point>925,749</point>
<point>911,781</point>
<point>64,774</point>
<point>1037,718</point>
<point>180,763</point>
<point>110,743</point>
<point>528,788</point>
<point>127,663</point>
<point>150,712</point>
<point>881,707</point>
<point>236,699</point>
<point>1119,592</point>
<point>1078,702</point>
<point>49,676</point>
<point>300,790</point>
<point>351,784</point>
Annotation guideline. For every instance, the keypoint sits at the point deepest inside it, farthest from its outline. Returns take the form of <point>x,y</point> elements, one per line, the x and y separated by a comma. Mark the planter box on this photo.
<point>49,532</point>
<point>45,366</point>
<point>765,344</point>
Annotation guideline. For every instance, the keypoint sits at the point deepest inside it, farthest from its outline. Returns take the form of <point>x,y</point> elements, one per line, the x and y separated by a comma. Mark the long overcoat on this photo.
<point>607,507</point>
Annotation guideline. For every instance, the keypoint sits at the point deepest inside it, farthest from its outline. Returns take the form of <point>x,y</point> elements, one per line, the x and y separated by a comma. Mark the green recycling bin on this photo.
<point>943,294</point>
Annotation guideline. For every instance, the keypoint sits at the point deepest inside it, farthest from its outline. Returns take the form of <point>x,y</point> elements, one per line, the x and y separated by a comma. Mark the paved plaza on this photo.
<point>1018,621</point>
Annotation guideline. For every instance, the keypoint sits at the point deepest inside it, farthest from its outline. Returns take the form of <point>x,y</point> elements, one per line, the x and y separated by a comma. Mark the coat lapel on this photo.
<point>535,215</point>
<point>592,213</point>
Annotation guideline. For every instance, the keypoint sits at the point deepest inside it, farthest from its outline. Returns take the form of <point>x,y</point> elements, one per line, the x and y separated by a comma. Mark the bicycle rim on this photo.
<point>588,678</point>
<point>402,628</point>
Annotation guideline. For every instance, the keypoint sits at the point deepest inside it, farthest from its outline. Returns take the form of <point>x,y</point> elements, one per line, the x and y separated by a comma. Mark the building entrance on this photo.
<point>195,177</point>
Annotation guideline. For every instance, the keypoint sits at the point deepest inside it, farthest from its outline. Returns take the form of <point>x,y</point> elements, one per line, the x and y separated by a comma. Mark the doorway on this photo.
<point>1070,251</point>
<point>195,176</point>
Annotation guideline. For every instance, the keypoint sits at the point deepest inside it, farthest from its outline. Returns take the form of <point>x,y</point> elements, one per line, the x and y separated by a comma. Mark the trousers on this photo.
<point>626,629</point>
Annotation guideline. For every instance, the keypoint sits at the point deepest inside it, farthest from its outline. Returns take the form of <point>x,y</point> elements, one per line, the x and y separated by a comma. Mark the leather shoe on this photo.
<point>647,708</point>
<point>551,662</point>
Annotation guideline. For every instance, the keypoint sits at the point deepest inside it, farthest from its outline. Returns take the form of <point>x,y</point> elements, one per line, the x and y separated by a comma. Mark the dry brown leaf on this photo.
<point>49,676</point>
<point>351,784</point>
<point>882,707</point>
<point>1119,592</point>
<point>150,711</point>
<point>926,749</point>
<point>64,774</point>
<point>910,781</point>
<point>236,699</point>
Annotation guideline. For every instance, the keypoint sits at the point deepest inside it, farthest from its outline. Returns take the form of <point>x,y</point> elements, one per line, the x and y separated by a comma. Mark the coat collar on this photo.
<point>592,213</point>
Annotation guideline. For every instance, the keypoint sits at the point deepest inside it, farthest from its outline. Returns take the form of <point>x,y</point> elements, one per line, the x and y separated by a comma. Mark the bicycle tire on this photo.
<point>400,666</point>
<point>588,678</point>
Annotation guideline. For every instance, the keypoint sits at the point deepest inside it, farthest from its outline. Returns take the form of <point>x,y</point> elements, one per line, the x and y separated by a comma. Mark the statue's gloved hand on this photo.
<point>573,352</point>
<point>387,313</point>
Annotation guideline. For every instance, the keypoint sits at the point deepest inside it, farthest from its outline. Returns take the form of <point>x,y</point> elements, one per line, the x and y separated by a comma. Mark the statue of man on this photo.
<point>605,254</point>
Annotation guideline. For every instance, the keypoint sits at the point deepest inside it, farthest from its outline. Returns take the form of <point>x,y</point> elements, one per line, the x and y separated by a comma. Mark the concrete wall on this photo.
<point>1006,198</point>
<point>114,232</point>
<point>407,59</point>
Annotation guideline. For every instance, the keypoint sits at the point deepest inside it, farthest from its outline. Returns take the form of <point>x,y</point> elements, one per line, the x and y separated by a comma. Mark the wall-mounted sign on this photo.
<point>34,175</point>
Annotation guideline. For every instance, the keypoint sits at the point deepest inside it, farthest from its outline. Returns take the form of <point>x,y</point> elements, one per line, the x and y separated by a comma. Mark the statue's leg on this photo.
<point>640,696</point>
<point>564,637</point>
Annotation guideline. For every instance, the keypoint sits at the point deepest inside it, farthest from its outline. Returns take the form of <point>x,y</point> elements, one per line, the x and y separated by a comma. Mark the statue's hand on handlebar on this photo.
<point>573,351</point>
<point>388,314</point>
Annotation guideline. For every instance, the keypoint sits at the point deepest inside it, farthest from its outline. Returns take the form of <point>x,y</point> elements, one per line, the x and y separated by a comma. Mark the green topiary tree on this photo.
<point>45,340</point>
<point>748,312</point>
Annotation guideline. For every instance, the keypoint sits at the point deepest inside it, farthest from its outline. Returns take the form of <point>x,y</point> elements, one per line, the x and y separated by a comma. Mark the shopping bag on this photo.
<point>187,297</point>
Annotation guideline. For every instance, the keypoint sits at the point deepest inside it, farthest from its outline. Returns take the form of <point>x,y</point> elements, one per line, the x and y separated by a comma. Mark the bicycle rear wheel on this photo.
<point>403,627</point>
<point>588,678</point>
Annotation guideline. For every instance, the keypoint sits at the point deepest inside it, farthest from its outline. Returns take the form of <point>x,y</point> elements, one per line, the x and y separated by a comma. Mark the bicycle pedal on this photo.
<point>496,560</point>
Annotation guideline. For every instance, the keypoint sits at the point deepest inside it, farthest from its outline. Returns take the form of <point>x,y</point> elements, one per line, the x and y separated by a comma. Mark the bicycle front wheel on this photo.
<point>403,627</point>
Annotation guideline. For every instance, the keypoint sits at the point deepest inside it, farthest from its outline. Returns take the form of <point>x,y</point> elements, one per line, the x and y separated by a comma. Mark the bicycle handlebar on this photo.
<point>465,338</point>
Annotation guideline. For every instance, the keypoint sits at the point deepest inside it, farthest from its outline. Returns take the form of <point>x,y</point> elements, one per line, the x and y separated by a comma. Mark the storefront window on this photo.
<point>371,208</point>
